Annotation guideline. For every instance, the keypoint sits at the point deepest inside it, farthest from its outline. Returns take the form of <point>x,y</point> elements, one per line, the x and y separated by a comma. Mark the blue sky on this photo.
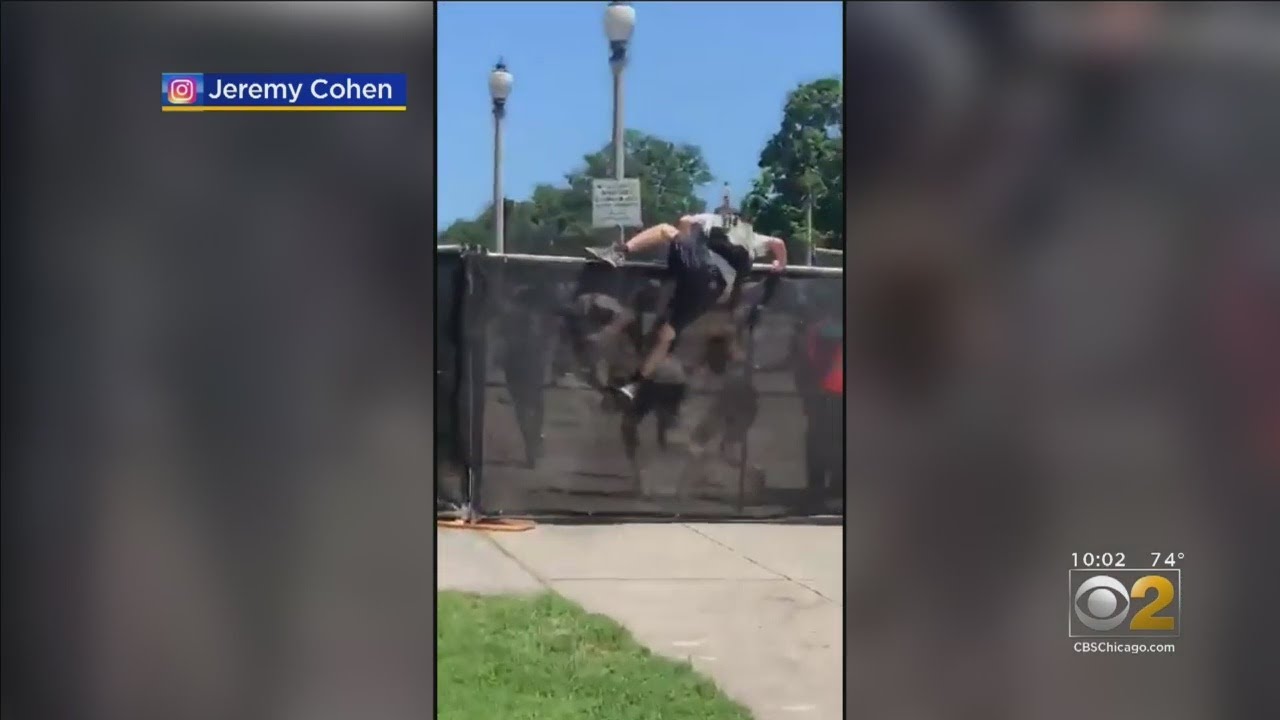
<point>686,59</point>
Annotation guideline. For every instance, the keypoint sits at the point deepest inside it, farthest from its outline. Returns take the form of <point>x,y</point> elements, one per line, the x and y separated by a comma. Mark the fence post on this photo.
<point>449,290</point>
<point>475,349</point>
<point>768,286</point>
<point>750,381</point>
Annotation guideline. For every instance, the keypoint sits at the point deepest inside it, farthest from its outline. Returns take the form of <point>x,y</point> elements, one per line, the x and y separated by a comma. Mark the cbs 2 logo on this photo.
<point>1102,603</point>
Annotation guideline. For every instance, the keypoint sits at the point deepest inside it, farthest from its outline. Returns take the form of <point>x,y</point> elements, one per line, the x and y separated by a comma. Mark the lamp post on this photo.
<point>619,23</point>
<point>500,82</point>
<point>812,185</point>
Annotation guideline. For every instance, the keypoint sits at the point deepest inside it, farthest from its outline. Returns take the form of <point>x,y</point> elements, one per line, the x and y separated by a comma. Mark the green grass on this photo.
<point>520,658</point>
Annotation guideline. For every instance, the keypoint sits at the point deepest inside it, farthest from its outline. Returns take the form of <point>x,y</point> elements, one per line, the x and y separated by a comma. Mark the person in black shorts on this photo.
<point>603,337</point>
<point>709,256</point>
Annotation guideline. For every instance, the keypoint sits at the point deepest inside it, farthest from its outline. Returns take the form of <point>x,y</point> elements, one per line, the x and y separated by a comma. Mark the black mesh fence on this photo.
<point>745,420</point>
<point>450,445</point>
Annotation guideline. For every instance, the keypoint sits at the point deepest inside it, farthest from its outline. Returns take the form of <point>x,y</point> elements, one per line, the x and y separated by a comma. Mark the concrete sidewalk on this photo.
<point>756,607</point>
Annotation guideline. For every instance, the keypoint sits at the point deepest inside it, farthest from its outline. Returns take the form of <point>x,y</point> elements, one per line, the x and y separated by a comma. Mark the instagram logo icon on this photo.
<point>181,89</point>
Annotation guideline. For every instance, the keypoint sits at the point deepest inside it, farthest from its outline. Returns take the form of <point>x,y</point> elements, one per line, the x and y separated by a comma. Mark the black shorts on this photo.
<point>699,285</point>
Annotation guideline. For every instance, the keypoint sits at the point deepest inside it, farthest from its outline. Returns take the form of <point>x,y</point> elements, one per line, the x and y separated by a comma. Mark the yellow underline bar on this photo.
<point>282,108</point>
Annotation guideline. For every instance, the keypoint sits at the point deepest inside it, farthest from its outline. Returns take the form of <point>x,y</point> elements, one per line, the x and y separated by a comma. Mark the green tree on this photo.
<point>557,220</point>
<point>478,231</point>
<point>522,229</point>
<point>670,175</point>
<point>802,169</point>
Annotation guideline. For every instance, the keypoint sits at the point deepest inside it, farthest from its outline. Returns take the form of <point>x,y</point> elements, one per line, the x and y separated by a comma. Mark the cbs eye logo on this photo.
<point>1126,602</point>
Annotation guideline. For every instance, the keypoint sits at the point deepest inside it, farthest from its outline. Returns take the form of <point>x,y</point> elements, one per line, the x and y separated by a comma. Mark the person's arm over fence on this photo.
<point>777,248</point>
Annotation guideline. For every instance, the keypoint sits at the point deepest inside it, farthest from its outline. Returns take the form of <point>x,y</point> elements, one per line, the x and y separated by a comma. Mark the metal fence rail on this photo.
<point>790,271</point>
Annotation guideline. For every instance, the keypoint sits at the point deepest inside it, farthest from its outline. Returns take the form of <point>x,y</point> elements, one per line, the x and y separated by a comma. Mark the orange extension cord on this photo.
<point>487,524</point>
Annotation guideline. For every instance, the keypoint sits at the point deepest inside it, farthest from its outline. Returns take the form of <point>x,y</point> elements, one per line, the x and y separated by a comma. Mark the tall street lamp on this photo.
<point>619,23</point>
<point>500,82</point>
<point>813,185</point>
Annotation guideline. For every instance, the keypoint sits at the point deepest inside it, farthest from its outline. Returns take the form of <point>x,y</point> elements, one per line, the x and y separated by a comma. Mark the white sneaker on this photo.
<point>628,391</point>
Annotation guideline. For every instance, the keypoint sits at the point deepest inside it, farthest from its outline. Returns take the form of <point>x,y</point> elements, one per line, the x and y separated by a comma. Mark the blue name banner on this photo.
<point>250,92</point>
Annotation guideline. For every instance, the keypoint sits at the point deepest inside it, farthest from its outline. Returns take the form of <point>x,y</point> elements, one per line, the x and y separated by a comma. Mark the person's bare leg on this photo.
<point>663,338</point>
<point>661,347</point>
<point>652,237</point>
<point>647,239</point>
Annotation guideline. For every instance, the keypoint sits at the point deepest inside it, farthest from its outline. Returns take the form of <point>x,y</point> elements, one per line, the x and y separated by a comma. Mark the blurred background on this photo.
<point>1063,336</point>
<point>217,369</point>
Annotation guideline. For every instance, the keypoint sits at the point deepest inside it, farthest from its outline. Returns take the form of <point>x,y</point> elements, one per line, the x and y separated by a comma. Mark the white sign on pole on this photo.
<point>615,202</point>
